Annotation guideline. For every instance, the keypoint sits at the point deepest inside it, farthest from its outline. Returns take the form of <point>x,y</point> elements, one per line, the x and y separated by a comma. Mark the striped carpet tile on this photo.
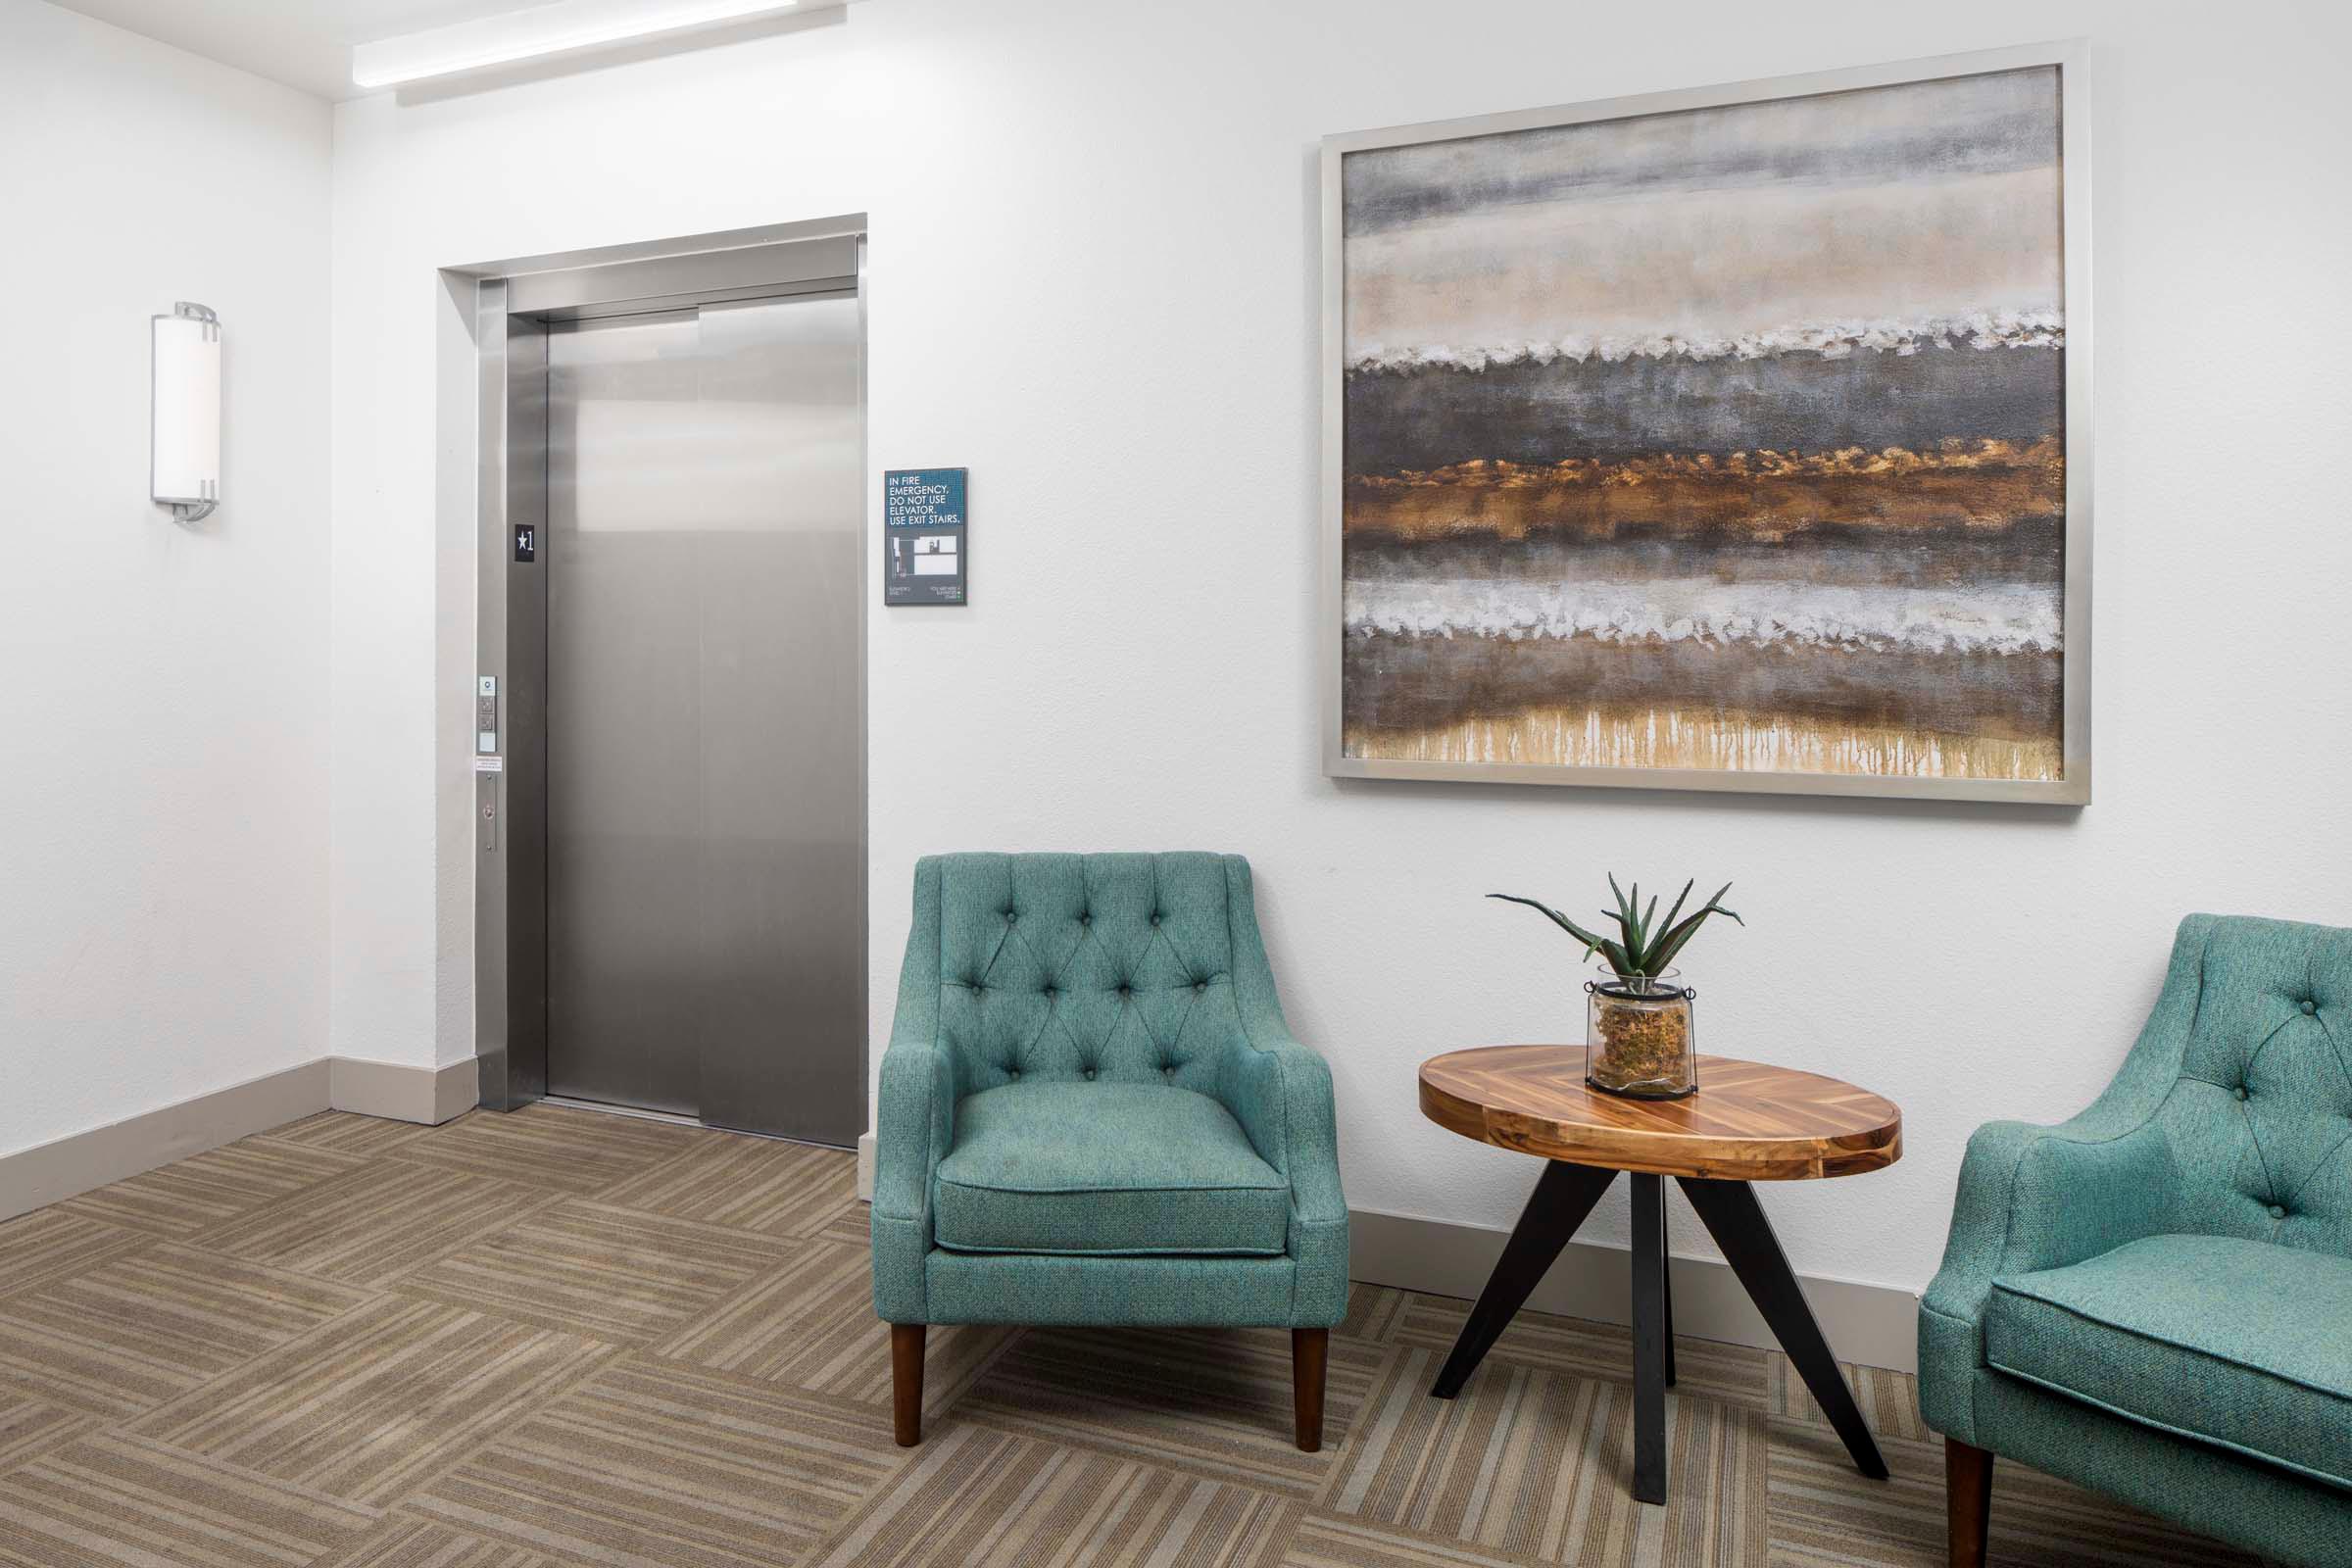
<point>980,1499</point>
<point>608,1273</point>
<point>375,1403</point>
<point>1826,1516</point>
<point>143,1329</point>
<point>1210,1401</point>
<point>1375,1313</point>
<point>800,1325</point>
<point>1333,1541</point>
<point>204,1190</point>
<point>661,1464</point>
<point>2039,1519</point>
<point>114,1500</point>
<point>1539,1464</point>
<point>403,1540</point>
<point>1889,1401</point>
<point>850,1228</point>
<point>373,1224</point>
<point>611,1343</point>
<point>343,1131</point>
<point>50,1244</point>
<point>28,1427</point>
<point>759,1184</point>
<point>578,1152</point>
<point>812,1325</point>
<point>1571,1346</point>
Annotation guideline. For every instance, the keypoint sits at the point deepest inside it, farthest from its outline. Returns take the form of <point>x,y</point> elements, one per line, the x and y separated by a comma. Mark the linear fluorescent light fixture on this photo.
<point>567,26</point>
<point>183,470</point>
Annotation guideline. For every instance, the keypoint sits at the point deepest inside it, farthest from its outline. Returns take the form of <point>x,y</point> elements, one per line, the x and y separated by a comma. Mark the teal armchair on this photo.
<point>2154,1299</point>
<point>1091,1112</point>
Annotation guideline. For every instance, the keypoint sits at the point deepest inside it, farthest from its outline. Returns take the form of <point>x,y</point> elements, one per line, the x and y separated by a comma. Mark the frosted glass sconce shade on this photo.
<point>185,472</point>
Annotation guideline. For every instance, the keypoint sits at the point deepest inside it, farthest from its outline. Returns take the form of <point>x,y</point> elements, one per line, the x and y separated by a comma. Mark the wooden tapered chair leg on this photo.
<point>1968,1494</point>
<point>1310,1349</point>
<point>906,1382</point>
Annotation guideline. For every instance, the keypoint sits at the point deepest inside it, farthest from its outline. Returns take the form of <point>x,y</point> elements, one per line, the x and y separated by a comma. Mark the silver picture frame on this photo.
<point>2072,788</point>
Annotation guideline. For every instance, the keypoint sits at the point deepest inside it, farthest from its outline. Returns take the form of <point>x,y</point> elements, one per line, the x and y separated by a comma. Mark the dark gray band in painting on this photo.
<point>1984,126</point>
<point>1424,417</point>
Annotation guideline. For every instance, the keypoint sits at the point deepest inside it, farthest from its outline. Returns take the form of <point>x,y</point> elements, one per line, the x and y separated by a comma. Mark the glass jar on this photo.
<point>1638,1038</point>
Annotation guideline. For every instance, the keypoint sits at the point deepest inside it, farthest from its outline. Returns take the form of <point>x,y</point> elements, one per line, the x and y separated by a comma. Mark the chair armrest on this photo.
<point>2032,1198</point>
<point>915,1126</point>
<point>1280,1091</point>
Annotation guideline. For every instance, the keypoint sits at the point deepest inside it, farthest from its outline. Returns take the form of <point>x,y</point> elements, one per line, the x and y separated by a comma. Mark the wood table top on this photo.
<point>1749,1121</point>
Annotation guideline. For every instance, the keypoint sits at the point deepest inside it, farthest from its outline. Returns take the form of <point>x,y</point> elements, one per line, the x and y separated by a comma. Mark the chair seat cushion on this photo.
<point>2237,1342</point>
<point>1106,1168</point>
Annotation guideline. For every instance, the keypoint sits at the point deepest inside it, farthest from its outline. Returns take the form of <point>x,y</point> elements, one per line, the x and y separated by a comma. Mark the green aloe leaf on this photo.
<point>1678,905</point>
<point>1714,905</point>
<point>1624,907</point>
<point>1681,935</point>
<point>1645,944</point>
<point>1592,944</point>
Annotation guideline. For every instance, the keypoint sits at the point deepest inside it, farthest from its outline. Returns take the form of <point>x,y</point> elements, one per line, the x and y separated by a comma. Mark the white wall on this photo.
<point>1095,282</point>
<point>163,688</point>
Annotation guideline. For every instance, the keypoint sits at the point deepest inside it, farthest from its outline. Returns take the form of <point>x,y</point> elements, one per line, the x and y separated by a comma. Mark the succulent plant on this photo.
<point>1644,944</point>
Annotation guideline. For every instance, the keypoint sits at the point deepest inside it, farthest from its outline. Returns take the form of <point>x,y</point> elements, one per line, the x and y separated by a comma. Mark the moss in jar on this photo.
<point>1642,1044</point>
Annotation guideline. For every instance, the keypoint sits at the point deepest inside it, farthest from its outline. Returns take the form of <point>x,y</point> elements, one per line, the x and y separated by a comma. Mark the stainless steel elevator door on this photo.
<point>706,794</point>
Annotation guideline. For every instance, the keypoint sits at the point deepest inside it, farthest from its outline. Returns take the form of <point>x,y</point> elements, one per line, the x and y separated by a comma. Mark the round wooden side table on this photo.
<point>1748,1122</point>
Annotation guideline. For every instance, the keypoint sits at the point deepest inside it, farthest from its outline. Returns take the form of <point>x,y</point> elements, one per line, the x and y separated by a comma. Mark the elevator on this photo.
<point>669,765</point>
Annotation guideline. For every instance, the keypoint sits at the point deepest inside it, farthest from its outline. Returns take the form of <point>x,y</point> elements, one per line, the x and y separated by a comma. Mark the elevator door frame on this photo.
<point>512,315</point>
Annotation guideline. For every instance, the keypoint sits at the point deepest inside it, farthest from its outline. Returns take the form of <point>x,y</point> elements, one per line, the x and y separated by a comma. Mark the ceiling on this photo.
<point>303,43</point>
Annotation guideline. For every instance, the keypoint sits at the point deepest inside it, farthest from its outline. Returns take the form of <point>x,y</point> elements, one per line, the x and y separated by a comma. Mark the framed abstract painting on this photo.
<point>1730,439</point>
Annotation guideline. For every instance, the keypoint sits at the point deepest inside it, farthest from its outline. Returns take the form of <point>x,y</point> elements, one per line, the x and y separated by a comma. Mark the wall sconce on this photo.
<point>185,472</point>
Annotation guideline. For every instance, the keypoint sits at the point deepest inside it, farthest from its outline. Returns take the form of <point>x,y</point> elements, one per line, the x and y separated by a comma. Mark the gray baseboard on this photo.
<point>51,1172</point>
<point>48,1173</point>
<point>402,1092</point>
<point>1875,1325</point>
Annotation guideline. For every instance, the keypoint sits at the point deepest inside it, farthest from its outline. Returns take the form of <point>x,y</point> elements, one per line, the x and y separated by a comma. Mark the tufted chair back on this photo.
<point>2260,1119</point>
<point>1108,968</point>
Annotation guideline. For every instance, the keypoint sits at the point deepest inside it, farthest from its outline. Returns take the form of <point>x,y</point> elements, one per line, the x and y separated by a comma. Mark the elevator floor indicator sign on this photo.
<point>926,547</point>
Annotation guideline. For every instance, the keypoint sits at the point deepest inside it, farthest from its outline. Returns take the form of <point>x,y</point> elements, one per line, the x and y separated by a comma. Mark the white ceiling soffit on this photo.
<point>565,29</point>
<point>308,44</point>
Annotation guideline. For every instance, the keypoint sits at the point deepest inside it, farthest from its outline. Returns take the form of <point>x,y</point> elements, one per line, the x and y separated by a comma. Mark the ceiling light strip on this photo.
<point>564,27</point>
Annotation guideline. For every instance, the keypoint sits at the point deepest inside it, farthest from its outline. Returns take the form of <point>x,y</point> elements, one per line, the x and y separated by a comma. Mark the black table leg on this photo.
<point>1737,1221</point>
<point>1650,1338</point>
<point>1564,1194</point>
<point>1666,1289</point>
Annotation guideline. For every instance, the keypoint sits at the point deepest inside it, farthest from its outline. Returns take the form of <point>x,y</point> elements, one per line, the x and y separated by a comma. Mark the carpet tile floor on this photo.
<point>558,1337</point>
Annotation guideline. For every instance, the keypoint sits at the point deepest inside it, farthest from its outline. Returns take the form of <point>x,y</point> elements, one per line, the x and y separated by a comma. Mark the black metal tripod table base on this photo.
<point>1564,1195</point>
